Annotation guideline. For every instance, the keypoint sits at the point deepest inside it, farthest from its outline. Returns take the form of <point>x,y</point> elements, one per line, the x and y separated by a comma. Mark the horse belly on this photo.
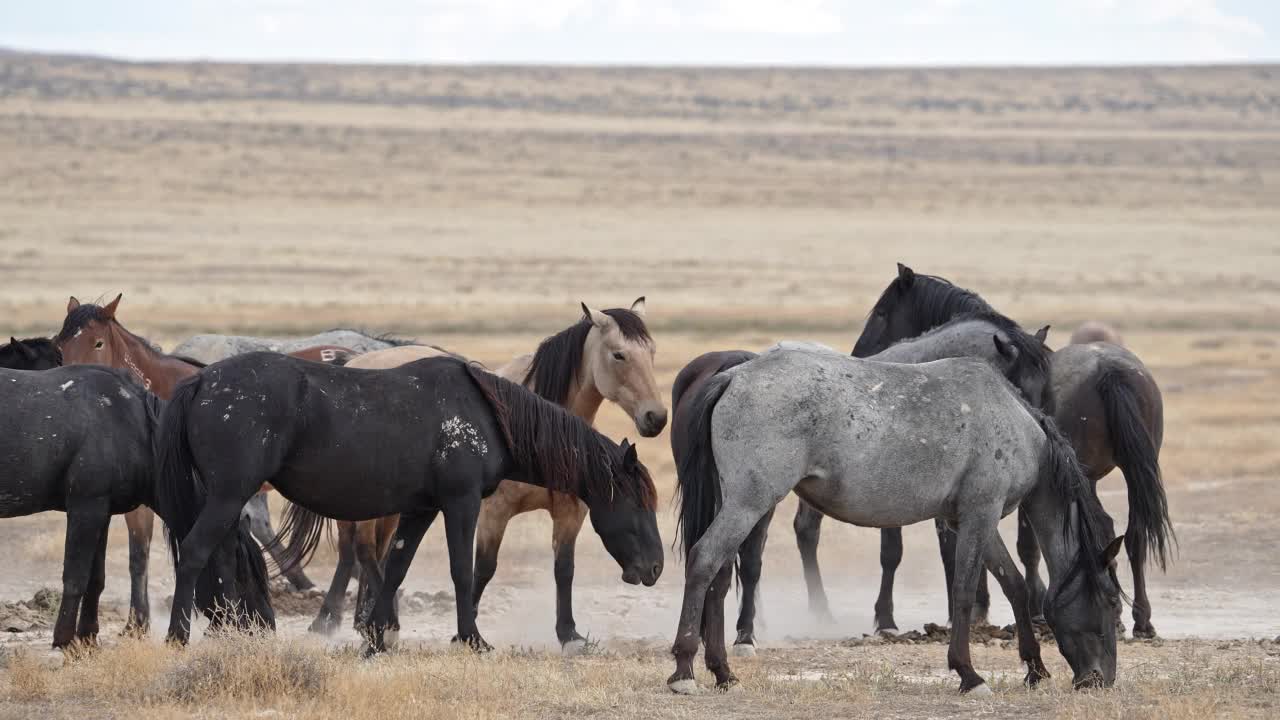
<point>879,499</point>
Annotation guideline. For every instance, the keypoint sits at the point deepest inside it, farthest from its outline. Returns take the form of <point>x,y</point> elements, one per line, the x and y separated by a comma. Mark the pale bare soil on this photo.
<point>475,207</point>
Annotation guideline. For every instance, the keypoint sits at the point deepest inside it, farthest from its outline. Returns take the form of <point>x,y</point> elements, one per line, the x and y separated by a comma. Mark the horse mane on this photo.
<point>391,339</point>
<point>559,357</point>
<point>557,448</point>
<point>39,345</point>
<point>1069,483</point>
<point>189,360</point>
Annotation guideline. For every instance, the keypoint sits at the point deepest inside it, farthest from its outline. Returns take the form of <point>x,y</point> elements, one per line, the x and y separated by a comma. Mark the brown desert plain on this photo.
<point>474,207</point>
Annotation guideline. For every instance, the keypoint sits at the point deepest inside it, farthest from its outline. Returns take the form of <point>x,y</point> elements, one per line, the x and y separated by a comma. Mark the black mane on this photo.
<point>41,347</point>
<point>557,448</point>
<point>558,358</point>
<point>935,300</point>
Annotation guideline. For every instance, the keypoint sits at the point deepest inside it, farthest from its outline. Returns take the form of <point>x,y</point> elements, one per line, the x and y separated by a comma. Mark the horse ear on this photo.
<point>1112,551</point>
<point>596,317</point>
<point>110,310</point>
<point>1043,334</point>
<point>629,455</point>
<point>1004,347</point>
<point>72,304</point>
<point>637,307</point>
<point>906,276</point>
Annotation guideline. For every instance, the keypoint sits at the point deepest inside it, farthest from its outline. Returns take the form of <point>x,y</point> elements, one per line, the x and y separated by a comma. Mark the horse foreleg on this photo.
<point>1029,554</point>
<point>330,615</point>
<point>997,560</point>
<point>408,536</point>
<point>259,513</point>
<point>713,551</point>
<point>87,523</point>
<point>750,561</point>
<point>890,559</point>
<point>460,518</point>
<point>976,529</point>
<point>947,548</point>
<point>495,512</point>
<point>567,516</point>
<point>808,527</point>
<point>140,522</point>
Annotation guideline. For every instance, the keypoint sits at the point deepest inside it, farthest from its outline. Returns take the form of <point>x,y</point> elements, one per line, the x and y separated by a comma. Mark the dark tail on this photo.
<point>299,535</point>
<point>251,580</point>
<point>697,477</point>
<point>1137,457</point>
<point>180,492</point>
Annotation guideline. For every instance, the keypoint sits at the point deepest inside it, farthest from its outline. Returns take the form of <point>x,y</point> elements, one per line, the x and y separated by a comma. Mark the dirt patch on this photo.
<point>40,612</point>
<point>940,634</point>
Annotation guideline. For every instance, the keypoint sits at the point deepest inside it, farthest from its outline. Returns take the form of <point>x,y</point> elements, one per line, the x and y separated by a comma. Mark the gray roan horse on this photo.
<point>1102,397</point>
<point>1020,357</point>
<point>887,445</point>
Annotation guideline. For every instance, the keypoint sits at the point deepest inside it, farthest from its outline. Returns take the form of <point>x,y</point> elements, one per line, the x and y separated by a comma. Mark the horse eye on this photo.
<point>97,345</point>
<point>619,356</point>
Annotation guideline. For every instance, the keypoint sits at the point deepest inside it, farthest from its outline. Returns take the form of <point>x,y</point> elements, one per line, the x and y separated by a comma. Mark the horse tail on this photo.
<point>697,477</point>
<point>180,493</point>
<point>251,581</point>
<point>299,536</point>
<point>1136,455</point>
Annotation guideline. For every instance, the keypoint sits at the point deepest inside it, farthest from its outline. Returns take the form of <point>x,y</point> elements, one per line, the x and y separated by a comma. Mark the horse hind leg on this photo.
<point>1136,546</point>
<point>976,528</point>
<point>219,517</point>
<point>750,562</point>
<point>87,630</point>
<point>808,528</point>
<point>713,629</point>
<point>385,619</point>
<point>371,577</point>
<point>141,524</point>
<point>87,524</point>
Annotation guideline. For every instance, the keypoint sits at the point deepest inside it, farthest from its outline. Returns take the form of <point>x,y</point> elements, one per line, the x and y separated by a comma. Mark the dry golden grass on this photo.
<point>263,677</point>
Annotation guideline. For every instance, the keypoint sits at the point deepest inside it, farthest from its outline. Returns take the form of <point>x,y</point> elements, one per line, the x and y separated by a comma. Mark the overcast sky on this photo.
<point>767,32</point>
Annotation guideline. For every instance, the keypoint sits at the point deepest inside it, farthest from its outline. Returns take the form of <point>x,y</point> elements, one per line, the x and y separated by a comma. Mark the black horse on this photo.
<point>429,437</point>
<point>30,354</point>
<point>78,440</point>
<point>1101,396</point>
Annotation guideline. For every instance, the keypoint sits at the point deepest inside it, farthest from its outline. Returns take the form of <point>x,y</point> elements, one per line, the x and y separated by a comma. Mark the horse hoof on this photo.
<point>1146,633</point>
<point>982,690</point>
<point>729,686</point>
<point>687,686</point>
<point>324,627</point>
<point>887,631</point>
<point>574,648</point>
<point>744,650</point>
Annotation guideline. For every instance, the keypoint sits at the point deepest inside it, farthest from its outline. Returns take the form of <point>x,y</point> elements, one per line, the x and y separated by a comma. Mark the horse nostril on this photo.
<point>655,421</point>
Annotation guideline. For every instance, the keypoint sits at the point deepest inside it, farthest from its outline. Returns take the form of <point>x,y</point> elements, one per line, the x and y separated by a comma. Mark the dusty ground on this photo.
<point>474,208</point>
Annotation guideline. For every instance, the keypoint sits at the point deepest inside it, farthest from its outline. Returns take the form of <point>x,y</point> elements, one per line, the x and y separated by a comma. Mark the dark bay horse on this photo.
<point>91,334</point>
<point>886,445</point>
<point>1101,395</point>
<point>78,440</point>
<point>433,436</point>
<point>30,354</point>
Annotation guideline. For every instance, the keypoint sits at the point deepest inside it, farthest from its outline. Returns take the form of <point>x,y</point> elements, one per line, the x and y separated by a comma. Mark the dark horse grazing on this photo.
<point>429,437</point>
<point>1102,397</point>
<point>30,354</point>
<point>91,334</point>
<point>78,440</point>
<point>886,445</point>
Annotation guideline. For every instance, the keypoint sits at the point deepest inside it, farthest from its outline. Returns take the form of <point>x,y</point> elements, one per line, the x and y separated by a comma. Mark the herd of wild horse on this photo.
<point>946,410</point>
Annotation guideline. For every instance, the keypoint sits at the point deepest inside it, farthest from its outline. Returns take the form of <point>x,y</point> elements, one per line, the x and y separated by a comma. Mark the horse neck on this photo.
<point>584,398</point>
<point>157,372</point>
<point>1055,528</point>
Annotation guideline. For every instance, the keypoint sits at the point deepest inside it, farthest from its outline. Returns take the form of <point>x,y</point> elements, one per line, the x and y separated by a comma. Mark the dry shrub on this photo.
<point>258,668</point>
<point>29,679</point>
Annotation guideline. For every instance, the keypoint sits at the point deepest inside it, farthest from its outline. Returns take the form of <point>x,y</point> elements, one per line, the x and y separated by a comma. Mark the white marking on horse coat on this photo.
<point>125,394</point>
<point>964,409</point>
<point>458,432</point>
<point>328,355</point>
<point>400,544</point>
<point>67,384</point>
<point>78,333</point>
<point>226,417</point>
<point>104,401</point>
<point>878,386</point>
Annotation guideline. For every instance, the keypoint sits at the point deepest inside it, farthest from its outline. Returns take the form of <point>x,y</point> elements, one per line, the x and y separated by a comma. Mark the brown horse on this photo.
<point>1092,331</point>
<point>607,355</point>
<point>92,335</point>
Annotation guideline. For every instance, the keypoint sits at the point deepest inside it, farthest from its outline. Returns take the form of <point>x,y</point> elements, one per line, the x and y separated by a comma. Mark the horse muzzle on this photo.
<point>651,422</point>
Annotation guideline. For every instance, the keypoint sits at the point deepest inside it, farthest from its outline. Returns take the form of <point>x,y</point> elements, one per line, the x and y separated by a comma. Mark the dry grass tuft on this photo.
<point>242,668</point>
